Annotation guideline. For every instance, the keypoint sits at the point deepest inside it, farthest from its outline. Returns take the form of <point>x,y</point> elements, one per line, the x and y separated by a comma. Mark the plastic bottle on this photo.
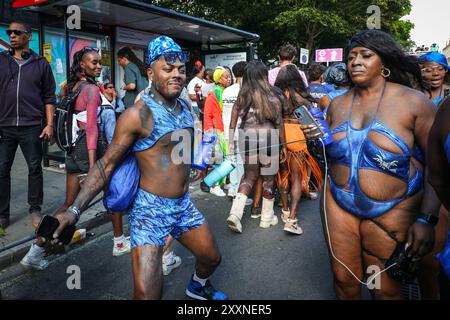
<point>318,115</point>
<point>219,172</point>
<point>79,235</point>
<point>204,153</point>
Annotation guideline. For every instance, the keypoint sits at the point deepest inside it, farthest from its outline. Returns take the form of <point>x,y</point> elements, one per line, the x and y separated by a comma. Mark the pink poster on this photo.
<point>329,55</point>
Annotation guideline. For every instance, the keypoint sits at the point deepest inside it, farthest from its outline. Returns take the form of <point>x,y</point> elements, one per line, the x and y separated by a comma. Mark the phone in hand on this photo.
<point>67,234</point>
<point>48,226</point>
<point>306,119</point>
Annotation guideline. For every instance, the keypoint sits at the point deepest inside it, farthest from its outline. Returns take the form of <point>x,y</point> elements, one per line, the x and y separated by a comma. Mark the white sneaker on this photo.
<point>170,262</point>
<point>35,258</point>
<point>217,191</point>
<point>292,226</point>
<point>227,186</point>
<point>121,248</point>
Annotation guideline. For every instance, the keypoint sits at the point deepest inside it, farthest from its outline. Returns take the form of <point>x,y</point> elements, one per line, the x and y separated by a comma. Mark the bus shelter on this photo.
<point>113,24</point>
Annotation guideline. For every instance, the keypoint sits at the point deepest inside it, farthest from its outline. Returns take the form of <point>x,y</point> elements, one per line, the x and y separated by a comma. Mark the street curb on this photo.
<point>93,220</point>
<point>14,255</point>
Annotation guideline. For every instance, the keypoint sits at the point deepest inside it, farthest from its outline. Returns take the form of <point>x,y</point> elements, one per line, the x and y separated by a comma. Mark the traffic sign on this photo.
<point>329,55</point>
<point>304,56</point>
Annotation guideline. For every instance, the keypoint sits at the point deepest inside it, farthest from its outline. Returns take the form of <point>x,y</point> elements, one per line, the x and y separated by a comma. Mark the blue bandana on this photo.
<point>165,46</point>
<point>434,57</point>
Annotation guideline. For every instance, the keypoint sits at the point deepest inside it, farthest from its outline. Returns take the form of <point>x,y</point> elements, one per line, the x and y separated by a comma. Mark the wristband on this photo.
<point>423,221</point>
<point>428,219</point>
<point>76,212</point>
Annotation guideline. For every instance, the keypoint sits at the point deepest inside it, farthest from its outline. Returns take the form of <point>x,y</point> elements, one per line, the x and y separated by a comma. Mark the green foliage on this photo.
<point>311,24</point>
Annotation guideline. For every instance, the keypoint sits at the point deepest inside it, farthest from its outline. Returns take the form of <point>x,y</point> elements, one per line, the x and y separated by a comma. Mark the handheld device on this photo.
<point>403,267</point>
<point>48,226</point>
<point>306,118</point>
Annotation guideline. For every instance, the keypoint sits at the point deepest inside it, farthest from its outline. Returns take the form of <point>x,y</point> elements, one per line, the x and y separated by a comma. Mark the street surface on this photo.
<point>257,264</point>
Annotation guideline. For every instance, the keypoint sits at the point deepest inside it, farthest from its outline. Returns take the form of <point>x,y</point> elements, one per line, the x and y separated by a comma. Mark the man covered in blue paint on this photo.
<point>162,205</point>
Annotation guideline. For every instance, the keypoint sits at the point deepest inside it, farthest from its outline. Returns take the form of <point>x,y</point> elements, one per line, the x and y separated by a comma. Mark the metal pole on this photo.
<point>67,46</point>
<point>17,243</point>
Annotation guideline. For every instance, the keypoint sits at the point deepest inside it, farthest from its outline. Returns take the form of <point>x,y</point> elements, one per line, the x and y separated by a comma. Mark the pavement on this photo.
<point>257,264</point>
<point>265,264</point>
<point>54,195</point>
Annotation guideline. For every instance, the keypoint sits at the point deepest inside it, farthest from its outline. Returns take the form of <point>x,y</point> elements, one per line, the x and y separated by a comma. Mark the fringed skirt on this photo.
<point>298,155</point>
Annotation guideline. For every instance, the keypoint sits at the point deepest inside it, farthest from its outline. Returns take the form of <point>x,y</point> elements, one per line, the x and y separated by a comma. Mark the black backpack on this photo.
<point>63,118</point>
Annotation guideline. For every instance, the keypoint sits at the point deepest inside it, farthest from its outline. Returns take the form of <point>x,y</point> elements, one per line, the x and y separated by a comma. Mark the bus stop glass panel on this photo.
<point>80,40</point>
<point>54,41</point>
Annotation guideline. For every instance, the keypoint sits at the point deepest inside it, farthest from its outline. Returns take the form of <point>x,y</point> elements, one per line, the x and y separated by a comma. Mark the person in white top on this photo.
<point>196,84</point>
<point>229,97</point>
<point>287,56</point>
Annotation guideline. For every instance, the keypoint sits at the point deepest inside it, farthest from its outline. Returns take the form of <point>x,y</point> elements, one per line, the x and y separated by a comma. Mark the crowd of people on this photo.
<point>383,179</point>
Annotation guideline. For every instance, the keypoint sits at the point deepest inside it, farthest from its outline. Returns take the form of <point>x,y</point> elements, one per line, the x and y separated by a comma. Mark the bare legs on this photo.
<point>147,261</point>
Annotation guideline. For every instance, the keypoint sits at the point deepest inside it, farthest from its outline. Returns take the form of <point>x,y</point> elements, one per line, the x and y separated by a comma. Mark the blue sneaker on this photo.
<point>196,291</point>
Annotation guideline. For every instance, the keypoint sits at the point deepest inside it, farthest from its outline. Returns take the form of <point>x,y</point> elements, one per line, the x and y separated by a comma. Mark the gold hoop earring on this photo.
<point>383,72</point>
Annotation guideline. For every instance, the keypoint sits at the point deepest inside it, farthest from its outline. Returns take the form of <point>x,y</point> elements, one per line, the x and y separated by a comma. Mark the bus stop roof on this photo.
<point>142,16</point>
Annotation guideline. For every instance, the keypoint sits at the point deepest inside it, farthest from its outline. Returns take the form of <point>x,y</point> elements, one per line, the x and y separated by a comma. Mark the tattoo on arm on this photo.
<point>145,116</point>
<point>101,168</point>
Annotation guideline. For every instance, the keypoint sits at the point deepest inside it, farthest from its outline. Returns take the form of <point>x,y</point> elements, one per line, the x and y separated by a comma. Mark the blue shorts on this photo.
<point>152,218</point>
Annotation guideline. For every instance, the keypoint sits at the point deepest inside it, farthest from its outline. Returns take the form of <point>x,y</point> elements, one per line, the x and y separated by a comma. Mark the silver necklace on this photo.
<point>170,109</point>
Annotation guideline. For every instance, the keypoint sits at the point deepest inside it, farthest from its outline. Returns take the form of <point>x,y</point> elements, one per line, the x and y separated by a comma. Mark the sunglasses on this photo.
<point>172,57</point>
<point>85,49</point>
<point>16,32</point>
<point>110,87</point>
<point>433,69</point>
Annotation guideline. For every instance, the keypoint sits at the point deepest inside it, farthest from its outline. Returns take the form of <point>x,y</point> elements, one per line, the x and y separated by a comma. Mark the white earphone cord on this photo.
<point>328,231</point>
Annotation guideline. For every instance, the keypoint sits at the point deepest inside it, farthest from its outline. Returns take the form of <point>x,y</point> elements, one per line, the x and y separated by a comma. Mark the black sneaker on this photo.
<point>256,213</point>
<point>4,222</point>
<point>204,187</point>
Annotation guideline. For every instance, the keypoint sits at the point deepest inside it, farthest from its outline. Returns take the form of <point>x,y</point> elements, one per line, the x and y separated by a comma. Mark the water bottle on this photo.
<point>220,172</point>
<point>204,153</point>
<point>79,235</point>
<point>327,137</point>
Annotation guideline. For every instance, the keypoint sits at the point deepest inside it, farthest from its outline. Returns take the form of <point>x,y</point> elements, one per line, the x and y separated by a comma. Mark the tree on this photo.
<point>311,24</point>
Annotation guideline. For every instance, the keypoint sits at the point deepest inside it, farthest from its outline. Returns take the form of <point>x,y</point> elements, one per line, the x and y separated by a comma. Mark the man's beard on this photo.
<point>168,96</point>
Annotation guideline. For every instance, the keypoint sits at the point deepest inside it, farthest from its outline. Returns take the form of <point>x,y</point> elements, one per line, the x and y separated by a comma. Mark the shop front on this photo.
<point>110,25</point>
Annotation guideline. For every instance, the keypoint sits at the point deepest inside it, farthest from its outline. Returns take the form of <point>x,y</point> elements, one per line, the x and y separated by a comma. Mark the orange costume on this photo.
<point>297,151</point>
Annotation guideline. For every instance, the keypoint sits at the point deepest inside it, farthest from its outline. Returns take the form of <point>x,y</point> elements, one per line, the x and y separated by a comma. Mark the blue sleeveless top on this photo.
<point>334,94</point>
<point>164,122</point>
<point>438,100</point>
<point>318,90</point>
<point>356,152</point>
